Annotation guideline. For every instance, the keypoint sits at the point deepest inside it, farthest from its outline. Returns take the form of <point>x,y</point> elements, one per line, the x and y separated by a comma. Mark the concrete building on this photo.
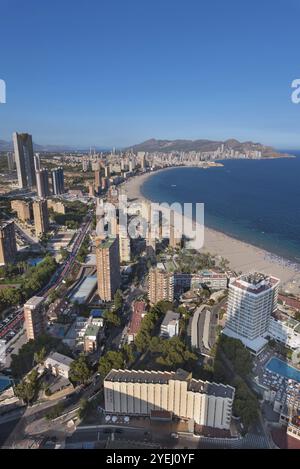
<point>34,314</point>
<point>41,217</point>
<point>124,248</point>
<point>133,393</point>
<point>58,364</point>
<point>251,301</point>
<point>8,245</point>
<point>284,329</point>
<point>58,185</point>
<point>24,160</point>
<point>108,268</point>
<point>161,284</point>
<point>170,325</point>
<point>23,209</point>
<point>98,181</point>
<point>42,183</point>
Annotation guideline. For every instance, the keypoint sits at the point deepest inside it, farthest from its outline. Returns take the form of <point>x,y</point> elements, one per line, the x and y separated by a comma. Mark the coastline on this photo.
<point>242,256</point>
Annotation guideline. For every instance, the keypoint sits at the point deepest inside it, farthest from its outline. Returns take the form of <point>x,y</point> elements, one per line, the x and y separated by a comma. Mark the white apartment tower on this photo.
<point>251,301</point>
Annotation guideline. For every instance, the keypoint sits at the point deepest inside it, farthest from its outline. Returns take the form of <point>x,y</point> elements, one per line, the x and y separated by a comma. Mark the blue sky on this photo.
<point>117,72</point>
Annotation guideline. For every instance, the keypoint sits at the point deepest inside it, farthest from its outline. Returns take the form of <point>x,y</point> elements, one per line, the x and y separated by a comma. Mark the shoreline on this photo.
<point>242,256</point>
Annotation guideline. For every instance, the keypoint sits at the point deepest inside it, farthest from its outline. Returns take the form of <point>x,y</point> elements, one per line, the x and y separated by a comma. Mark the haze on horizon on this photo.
<point>117,73</point>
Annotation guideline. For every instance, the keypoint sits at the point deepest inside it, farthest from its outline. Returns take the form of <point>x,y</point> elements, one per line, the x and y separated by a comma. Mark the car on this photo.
<point>174,435</point>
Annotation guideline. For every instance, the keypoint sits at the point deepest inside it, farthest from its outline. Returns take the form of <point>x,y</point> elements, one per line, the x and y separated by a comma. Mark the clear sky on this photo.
<point>117,72</point>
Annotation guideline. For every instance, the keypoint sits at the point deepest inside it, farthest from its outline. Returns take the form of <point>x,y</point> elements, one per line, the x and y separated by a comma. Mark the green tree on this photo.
<point>80,371</point>
<point>110,360</point>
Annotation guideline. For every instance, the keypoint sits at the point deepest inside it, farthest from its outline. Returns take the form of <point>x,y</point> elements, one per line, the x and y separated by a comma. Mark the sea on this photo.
<point>256,201</point>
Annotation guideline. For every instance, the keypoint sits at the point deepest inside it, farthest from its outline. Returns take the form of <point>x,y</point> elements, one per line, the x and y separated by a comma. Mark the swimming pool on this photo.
<point>4,383</point>
<point>278,366</point>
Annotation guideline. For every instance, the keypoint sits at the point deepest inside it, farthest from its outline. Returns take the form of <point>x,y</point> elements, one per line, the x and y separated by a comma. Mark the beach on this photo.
<point>243,257</point>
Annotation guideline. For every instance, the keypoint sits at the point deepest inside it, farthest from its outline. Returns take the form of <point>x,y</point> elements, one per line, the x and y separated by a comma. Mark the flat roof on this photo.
<point>163,377</point>
<point>34,301</point>
<point>85,289</point>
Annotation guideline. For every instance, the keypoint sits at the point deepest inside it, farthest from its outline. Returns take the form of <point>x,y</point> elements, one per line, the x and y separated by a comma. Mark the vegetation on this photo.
<point>110,360</point>
<point>31,282</point>
<point>56,411</point>
<point>27,389</point>
<point>75,213</point>
<point>84,249</point>
<point>80,370</point>
<point>245,404</point>
<point>172,353</point>
<point>191,261</point>
<point>112,318</point>
<point>237,353</point>
<point>24,360</point>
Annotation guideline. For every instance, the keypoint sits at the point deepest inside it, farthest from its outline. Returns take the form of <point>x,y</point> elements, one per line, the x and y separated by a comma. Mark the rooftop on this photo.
<point>170,316</point>
<point>59,358</point>
<point>255,283</point>
<point>163,377</point>
<point>34,302</point>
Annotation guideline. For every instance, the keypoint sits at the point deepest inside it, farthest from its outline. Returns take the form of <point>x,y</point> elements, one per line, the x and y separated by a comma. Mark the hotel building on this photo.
<point>161,284</point>
<point>251,301</point>
<point>133,393</point>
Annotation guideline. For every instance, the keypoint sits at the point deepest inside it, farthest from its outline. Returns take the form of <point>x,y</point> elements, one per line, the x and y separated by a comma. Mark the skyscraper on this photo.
<point>58,186</point>
<point>42,183</point>
<point>251,301</point>
<point>34,315</point>
<point>23,209</point>
<point>41,217</point>
<point>10,160</point>
<point>8,246</point>
<point>108,268</point>
<point>98,183</point>
<point>24,160</point>
<point>161,284</point>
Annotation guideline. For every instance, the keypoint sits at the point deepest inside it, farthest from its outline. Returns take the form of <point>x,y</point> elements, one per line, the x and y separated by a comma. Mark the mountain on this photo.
<point>154,145</point>
<point>8,146</point>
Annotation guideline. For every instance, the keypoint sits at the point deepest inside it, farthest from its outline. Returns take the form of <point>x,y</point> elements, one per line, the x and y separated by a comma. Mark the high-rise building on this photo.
<point>91,188</point>
<point>175,239</point>
<point>24,160</point>
<point>41,217</point>
<point>161,394</point>
<point>42,183</point>
<point>98,182</point>
<point>10,160</point>
<point>251,301</point>
<point>58,185</point>
<point>161,284</point>
<point>34,314</point>
<point>23,209</point>
<point>56,205</point>
<point>108,268</point>
<point>107,171</point>
<point>142,159</point>
<point>8,246</point>
<point>37,162</point>
<point>125,249</point>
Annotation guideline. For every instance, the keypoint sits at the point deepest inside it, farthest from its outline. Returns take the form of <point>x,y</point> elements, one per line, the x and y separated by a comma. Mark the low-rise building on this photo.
<point>58,364</point>
<point>285,330</point>
<point>138,312</point>
<point>170,325</point>
<point>139,393</point>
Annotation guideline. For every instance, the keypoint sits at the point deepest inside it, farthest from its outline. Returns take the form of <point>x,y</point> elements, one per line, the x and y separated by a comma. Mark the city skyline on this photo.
<point>105,88</point>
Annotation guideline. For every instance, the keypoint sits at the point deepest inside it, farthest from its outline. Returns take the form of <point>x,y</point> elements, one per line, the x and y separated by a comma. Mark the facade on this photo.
<point>24,160</point>
<point>41,217</point>
<point>8,245</point>
<point>34,315</point>
<point>124,248</point>
<point>285,330</point>
<point>170,325</point>
<point>58,364</point>
<point>132,392</point>
<point>98,181</point>
<point>42,183</point>
<point>108,268</point>
<point>205,278</point>
<point>251,301</point>
<point>23,209</point>
<point>161,285</point>
<point>58,185</point>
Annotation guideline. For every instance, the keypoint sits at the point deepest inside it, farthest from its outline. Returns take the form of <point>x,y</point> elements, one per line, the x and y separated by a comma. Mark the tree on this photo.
<point>118,299</point>
<point>110,360</point>
<point>80,371</point>
<point>27,388</point>
<point>112,318</point>
<point>40,355</point>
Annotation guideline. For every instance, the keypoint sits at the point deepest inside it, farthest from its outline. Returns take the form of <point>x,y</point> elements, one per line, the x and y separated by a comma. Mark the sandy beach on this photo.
<point>243,257</point>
